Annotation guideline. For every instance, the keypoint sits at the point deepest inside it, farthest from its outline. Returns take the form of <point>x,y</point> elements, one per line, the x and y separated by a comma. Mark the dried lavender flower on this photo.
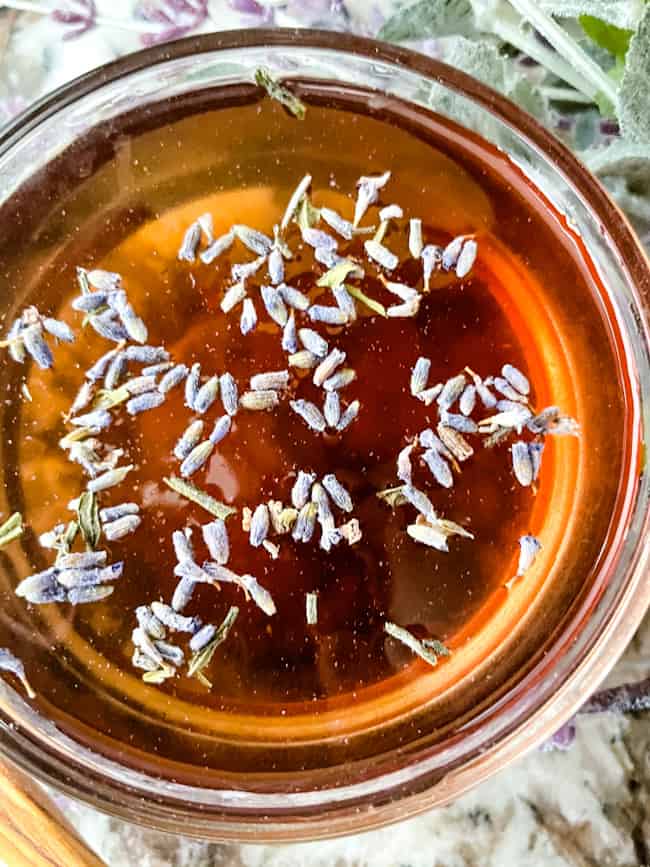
<point>173,377</point>
<point>312,341</point>
<point>340,379</point>
<point>112,513</point>
<point>522,464</point>
<point>351,412</point>
<point>341,226</point>
<point>109,479</point>
<point>206,395</point>
<point>516,378</point>
<point>148,622</point>
<point>259,400</point>
<point>215,535</point>
<point>328,365</point>
<point>529,547</point>
<point>275,264</point>
<point>133,325</point>
<point>420,500</point>
<point>431,258</point>
<point>275,380</point>
<point>439,467</point>
<point>332,408</point>
<point>256,241</point>
<point>274,305</point>
<point>310,413</point>
<point>304,360</point>
<point>173,620</point>
<point>415,237</point>
<point>259,525</point>
<point>327,315</point>
<point>144,402</point>
<point>345,302</point>
<point>220,430</point>
<point>217,247</point>
<point>189,438</point>
<point>452,390</point>
<point>337,492</point>
<point>311,608</point>
<point>146,354</point>
<point>293,297</point>
<point>192,385</point>
<point>233,296</point>
<point>99,419</point>
<point>196,458</point>
<point>248,319</point>
<point>467,400</point>
<point>182,545</point>
<point>35,344</point>
<point>202,638</point>
<point>289,335</point>
<point>381,255</point>
<point>121,527</point>
<point>303,529</point>
<point>367,194</point>
<point>229,393</point>
<point>190,242</point>
<point>294,200</point>
<point>85,595</point>
<point>302,488</point>
<point>451,253</point>
<point>420,375</point>
<point>466,259</point>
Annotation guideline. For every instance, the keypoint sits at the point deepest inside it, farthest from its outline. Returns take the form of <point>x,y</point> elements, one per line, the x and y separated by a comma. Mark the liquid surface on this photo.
<point>241,163</point>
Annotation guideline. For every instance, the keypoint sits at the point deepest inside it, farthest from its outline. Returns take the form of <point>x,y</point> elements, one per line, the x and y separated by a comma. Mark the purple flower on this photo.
<point>562,739</point>
<point>178,17</point>
<point>79,15</point>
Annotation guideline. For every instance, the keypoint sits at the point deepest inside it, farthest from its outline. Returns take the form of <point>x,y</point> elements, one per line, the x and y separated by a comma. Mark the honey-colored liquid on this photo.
<point>531,301</point>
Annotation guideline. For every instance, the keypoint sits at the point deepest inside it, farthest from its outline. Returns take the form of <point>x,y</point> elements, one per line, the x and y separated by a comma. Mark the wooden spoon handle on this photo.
<point>33,831</point>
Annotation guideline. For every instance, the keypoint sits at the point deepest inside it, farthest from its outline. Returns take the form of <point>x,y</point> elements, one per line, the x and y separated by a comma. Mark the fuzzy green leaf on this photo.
<point>620,13</point>
<point>428,18</point>
<point>634,94</point>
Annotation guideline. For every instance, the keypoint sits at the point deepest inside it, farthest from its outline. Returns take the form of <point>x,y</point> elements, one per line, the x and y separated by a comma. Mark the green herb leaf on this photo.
<point>429,650</point>
<point>364,299</point>
<point>393,496</point>
<point>614,39</point>
<point>106,399</point>
<point>634,94</point>
<point>280,93</point>
<point>11,529</point>
<point>159,675</point>
<point>307,215</point>
<point>196,495</point>
<point>337,275</point>
<point>88,512</point>
<point>428,18</point>
<point>203,658</point>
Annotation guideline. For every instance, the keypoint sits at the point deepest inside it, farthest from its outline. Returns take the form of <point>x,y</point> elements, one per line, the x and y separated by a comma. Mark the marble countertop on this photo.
<point>588,806</point>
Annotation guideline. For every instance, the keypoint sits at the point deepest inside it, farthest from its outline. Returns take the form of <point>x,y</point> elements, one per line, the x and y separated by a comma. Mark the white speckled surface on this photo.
<point>588,807</point>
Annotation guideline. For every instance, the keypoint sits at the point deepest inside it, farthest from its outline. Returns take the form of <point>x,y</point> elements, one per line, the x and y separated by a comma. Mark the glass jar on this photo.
<point>383,780</point>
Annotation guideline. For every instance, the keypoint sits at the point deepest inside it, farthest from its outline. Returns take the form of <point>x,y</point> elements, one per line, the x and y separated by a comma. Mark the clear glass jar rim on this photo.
<point>396,791</point>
